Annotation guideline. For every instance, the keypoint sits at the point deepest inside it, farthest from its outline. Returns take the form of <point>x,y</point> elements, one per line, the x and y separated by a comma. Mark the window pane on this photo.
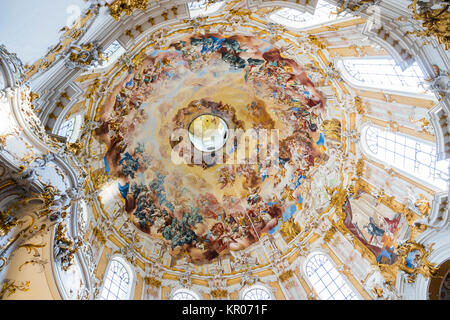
<point>324,12</point>
<point>184,294</point>
<point>117,282</point>
<point>384,73</point>
<point>326,280</point>
<point>415,157</point>
<point>67,128</point>
<point>257,293</point>
<point>203,7</point>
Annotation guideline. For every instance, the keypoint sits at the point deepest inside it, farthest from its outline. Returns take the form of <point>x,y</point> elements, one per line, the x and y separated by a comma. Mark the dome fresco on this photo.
<point>236,149</point>
<point>223,202</point>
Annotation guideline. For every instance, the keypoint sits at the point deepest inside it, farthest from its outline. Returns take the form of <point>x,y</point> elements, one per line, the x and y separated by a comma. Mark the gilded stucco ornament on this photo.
<point>35,261</point>
<point>33,248</point>
<point>218,283</point>
<point>7,222</point>
<point>289,229</point>
<point>84,56</point>
<point>247,279</point>
<point>65,248</point>
<point>440,81</point>
<point>424,124</point>
<point>152,282</point>
<point>423,205</point>
<point>9,287</point>
<point>99,178</point>
<point>196,23</point>
<point>356,5</point>
<point>219,293</point>
<point>360,106</point>
<point>332,129</point>
<point>413,260</point>
<point>435,20</point>
<point>286,275</point>
<point>119,7</point>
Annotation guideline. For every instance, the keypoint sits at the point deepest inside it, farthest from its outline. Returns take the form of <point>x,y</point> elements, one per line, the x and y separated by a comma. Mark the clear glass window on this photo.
<point>328,283</point>
<point>111,54</point>
<point>204,7</point>
<point>325,12</point>
<point>117,284</point>
<point>67,128</point>
<point>384,73</point>
<point>184,294</point>
<point>406,153</point>
<point>256,293</point>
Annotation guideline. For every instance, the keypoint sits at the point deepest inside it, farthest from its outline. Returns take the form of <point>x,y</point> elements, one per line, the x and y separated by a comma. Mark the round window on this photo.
<point>208,133</point>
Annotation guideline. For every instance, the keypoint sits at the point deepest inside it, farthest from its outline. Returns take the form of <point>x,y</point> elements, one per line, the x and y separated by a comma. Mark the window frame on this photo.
<point>310,284</point>
<point>306,12</point>
<point>112,58</point>
<point>76,128</point>
<point>131,275</point>
<point>245,290</point>
<point>369,154</point>
<point>186,291</point>
<point>204,12</point>
<point>355,83</point>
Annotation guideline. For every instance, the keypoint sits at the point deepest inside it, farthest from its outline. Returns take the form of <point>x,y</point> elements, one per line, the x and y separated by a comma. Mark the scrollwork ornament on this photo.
<point>413,260</point>
<point>10,287</point>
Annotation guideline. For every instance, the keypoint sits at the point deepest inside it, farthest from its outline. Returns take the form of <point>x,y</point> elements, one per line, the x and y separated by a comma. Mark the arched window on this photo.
<point>384,73</point>
<point>118,280</point>
<point>415,157</point>
<point>203,7</point>
<point>256,293</point>
<point>70,129</point>
<point>67,128</point>
<point>324,12</point>
<point>328,283</point>
<point>184,294</point>
<point>113,52</point>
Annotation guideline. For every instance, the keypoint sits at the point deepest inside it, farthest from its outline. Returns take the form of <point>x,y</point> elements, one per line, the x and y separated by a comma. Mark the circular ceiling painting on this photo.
<point>239,177</point>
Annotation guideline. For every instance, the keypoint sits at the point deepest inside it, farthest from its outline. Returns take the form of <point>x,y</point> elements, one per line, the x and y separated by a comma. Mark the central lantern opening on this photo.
<point>208,133</point>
